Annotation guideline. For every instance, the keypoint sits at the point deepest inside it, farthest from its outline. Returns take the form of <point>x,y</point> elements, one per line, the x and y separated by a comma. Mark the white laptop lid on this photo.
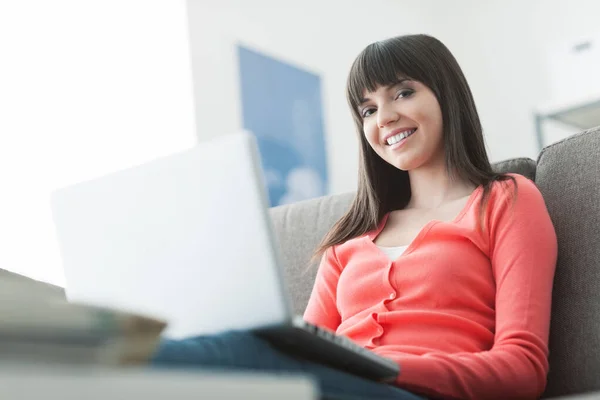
<point>186,238</point>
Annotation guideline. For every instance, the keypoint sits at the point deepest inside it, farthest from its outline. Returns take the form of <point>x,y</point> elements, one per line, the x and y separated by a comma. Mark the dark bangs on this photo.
<point>379,64</point>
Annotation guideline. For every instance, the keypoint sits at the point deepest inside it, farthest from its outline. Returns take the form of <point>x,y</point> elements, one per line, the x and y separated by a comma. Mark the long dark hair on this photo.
<point>382,187</point>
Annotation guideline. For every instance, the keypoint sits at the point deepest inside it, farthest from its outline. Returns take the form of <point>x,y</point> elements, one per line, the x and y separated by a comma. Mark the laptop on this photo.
<point>187,239</point>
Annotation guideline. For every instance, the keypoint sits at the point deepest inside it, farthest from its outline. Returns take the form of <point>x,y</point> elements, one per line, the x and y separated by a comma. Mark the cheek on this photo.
<point>371,134</point>
<point>436,124</point>
<point>434,117</point>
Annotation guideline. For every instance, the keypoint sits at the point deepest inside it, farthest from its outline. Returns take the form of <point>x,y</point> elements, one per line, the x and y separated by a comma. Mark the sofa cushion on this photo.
<point>522,166</point>
<point>300,227</point>
<point>568,175</point>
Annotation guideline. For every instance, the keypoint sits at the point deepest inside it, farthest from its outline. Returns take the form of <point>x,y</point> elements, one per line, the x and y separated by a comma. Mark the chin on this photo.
<point>404,165</point>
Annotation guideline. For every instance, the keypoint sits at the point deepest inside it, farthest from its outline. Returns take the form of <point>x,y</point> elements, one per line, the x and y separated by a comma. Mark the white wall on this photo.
<point>556,21</point>
<point>500,44</point>
<point>86,87</point>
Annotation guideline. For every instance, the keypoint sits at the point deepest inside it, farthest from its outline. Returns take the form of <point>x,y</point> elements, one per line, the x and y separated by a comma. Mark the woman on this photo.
<point>440,264</point>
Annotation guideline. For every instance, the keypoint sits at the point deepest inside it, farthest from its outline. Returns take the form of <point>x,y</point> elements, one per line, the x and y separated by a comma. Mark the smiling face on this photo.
<point>403,124</point>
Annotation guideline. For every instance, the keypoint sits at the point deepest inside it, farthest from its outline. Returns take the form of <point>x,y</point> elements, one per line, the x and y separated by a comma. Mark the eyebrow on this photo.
<point>366,99</point>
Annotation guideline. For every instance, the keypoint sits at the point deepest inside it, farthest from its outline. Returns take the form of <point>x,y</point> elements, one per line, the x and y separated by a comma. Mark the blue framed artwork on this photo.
<point>281,106</point>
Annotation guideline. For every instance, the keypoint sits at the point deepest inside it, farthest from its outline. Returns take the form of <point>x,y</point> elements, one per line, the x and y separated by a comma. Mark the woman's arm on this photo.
<point>322,308</point>
<point>523,252</point>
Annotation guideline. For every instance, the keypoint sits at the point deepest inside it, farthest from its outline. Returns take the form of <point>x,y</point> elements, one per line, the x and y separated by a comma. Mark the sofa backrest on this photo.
<point>568,175</point>
<point>300,227</point>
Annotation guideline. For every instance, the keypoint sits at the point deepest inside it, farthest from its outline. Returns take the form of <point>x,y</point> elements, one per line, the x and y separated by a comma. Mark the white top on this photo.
<point>393,252</point>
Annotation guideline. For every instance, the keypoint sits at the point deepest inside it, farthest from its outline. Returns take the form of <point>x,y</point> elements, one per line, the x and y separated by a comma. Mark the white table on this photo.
<point>68,383</point>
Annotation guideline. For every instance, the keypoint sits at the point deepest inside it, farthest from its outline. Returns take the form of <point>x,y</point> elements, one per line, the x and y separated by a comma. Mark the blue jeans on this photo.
<point>245,351</point>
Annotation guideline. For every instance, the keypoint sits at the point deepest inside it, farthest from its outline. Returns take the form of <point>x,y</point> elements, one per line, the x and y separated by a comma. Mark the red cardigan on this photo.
<point>464,311</point>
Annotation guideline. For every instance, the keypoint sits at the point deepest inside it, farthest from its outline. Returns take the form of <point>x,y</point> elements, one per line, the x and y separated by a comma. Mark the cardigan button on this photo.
<point>392,296</point>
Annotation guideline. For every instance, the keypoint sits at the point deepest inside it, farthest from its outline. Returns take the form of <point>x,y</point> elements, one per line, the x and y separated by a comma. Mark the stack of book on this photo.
<point>51,330</point>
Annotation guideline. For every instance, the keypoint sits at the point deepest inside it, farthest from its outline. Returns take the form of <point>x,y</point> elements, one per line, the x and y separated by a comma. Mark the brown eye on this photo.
<point>367,112</point>
<point>404,93</point>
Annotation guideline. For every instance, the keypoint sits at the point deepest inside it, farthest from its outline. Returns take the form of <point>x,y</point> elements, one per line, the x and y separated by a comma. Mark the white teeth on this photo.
<point>395,139</point>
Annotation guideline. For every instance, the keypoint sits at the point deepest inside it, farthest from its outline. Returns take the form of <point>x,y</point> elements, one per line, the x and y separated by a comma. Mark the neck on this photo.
<point>432,186</point>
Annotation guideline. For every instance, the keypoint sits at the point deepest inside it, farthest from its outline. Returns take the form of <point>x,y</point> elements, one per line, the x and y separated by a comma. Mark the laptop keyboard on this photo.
<point>323,346</point>
<point>340,340</point>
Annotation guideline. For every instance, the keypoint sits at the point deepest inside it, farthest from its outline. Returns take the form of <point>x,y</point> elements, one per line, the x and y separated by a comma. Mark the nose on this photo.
<point>386,115</point>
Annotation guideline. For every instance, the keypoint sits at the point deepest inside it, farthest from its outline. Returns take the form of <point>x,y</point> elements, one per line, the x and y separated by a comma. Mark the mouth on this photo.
<point>399,137</point>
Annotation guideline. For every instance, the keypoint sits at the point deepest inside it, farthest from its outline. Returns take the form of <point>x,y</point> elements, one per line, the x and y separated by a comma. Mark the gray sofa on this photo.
<point>568,175</point>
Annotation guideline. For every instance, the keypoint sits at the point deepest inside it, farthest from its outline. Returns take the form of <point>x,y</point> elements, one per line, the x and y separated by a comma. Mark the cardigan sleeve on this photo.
<point>523,253</point>
<point>322,308</point>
